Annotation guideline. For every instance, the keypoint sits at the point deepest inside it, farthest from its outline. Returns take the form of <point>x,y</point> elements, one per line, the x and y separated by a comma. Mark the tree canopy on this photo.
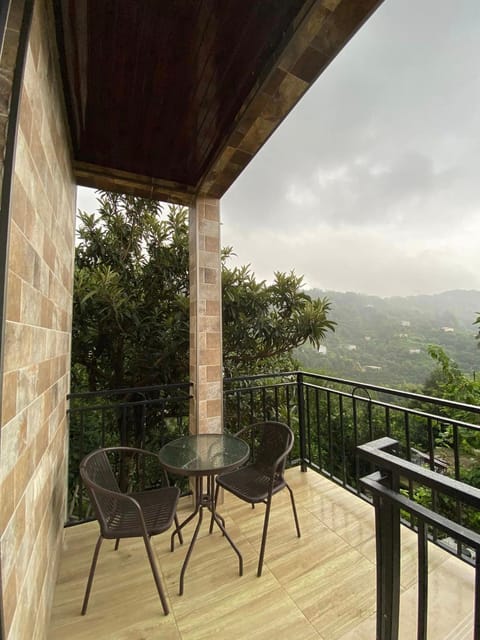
<point>131,302</point>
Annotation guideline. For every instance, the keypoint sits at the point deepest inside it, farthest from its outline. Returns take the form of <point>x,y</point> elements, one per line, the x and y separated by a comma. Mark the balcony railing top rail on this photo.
<point>286,377</point>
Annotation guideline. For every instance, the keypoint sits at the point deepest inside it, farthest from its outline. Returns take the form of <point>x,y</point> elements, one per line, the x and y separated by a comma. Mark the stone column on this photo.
<point>206,407</point>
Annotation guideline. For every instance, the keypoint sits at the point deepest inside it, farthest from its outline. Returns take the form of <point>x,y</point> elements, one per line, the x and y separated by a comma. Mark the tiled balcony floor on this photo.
<point>319,586</point>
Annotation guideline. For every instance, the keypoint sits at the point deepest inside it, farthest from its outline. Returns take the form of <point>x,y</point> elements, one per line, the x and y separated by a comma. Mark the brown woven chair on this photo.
<point>270,444</point>
<point>127,514</point>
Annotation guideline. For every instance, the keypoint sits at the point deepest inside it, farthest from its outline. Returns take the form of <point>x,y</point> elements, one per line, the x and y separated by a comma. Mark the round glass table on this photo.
<point>203,456</point>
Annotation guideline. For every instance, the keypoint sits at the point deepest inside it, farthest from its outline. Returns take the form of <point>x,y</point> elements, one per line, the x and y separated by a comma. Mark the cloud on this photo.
<point>353,259</point>
<point>371,183</point>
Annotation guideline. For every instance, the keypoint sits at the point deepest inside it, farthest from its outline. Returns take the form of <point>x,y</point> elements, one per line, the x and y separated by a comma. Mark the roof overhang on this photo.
<point>172,99</point>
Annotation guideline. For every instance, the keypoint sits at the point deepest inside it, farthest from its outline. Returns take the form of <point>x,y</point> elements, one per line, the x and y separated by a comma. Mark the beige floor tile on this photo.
<point>320,586</point>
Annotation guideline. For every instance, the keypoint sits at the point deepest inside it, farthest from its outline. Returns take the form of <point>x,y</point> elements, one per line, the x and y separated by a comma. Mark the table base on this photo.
<point>203,501</point>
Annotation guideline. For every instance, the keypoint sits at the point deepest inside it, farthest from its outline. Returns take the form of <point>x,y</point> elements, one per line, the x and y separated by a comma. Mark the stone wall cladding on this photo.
<point>37,338</point>
<point>206,415</point>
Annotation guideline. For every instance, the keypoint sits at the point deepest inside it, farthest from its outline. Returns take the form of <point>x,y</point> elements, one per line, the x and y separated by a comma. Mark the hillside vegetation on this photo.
<point>384,340</point>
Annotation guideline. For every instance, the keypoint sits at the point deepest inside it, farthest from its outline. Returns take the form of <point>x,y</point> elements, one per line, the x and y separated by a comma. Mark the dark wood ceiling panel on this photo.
<point>165,79</point>
<point>184,92</point>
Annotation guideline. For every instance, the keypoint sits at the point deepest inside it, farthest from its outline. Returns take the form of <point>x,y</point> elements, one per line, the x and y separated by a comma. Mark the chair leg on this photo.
<point>264,536</point>
<point>156,575</point>
<point>90,575</point>
<point>294,511</point>
<point>117,544</point>
<point>180,537</point>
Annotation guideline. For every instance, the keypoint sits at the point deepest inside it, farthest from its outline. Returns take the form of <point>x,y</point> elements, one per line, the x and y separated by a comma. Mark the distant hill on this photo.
<point>385,340</point>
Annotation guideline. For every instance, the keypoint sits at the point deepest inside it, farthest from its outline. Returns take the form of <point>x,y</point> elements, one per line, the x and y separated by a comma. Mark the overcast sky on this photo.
<point>372,183</point>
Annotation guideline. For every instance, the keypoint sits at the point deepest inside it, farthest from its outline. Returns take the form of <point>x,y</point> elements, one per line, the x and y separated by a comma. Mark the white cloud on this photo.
<point>300,196</point>
<point>371,183</point>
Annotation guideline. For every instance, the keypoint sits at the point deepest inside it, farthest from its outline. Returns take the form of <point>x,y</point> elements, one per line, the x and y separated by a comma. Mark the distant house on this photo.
<point>351,347</point>
<point>322,349</point>
<point>414,351</point>
<point>403,335</point>
<point>367,338</point>
<point>405,323</point>
<point>372,367</point>
<point>447,329</point>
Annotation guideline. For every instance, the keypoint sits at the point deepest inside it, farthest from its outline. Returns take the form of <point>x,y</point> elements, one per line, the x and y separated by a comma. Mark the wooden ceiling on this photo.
<point>172,98</point>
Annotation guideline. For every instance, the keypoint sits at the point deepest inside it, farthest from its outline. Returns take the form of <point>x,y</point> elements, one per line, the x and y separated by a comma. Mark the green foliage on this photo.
<point>131,302</point>
<point>448,382</point>
<point>263,323</point>
<point>384,340</point>
<point>130,320</point>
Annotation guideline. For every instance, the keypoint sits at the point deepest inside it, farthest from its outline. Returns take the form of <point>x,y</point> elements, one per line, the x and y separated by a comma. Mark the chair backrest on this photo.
<point>100,482</point>
<point>269,442</point>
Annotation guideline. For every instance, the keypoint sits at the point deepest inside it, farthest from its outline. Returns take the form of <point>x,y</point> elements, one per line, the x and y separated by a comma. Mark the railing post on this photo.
<point>387,533</point>
<point>301,421</point>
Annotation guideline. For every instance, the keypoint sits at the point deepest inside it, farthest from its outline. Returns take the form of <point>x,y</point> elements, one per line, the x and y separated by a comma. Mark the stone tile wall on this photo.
<point>36,331</point>
<point>206,413</point>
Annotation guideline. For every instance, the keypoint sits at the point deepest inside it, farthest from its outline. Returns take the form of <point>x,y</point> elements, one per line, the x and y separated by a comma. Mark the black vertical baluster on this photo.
<point>81,493</point>
<point>301,420</point>
<point>319,443</point>
<point>330,435</point>
<point>342,440</point>
<point>370,421</point>
<point>308,443</point>
<point>476,615</point>
<point>431,456</point>
<point>275,393</point>
<point>238,409</point>
<point>458,504</point>
<point>287,402</point>
<point>387,534</point>
<point>408,455</point>
<point>355,443</point>
<point>422,581</point>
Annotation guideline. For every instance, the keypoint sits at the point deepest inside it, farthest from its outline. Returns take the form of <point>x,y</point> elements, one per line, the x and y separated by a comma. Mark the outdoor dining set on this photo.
<point>131,492</point>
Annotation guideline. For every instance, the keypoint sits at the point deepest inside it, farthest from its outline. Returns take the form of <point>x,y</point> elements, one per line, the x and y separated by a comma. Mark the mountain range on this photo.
<point>385,340</point>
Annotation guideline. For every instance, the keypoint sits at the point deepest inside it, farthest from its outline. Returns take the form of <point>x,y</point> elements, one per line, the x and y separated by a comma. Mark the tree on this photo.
<point>262,324</point>
<point>131,306</point>
<point>448,382</point>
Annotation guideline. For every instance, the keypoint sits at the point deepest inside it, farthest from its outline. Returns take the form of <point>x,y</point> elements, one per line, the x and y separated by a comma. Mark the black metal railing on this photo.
<point>384,485</point>
<point>144,417</point>
<point>330,417</point>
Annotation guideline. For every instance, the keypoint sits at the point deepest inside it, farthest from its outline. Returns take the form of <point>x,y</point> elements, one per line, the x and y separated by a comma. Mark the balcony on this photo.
<point>319,586</point>
<point>323,585</point>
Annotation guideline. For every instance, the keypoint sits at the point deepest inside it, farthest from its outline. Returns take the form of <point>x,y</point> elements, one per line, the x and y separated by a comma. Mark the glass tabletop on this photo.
<point>203,454</point>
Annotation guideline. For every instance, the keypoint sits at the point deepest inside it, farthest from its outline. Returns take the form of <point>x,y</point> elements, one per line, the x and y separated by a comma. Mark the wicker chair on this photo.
<point>124,513</point>
<point>270,444</point>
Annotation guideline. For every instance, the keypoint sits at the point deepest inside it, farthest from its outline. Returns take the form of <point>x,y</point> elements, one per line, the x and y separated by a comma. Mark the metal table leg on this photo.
<point>202,501</point>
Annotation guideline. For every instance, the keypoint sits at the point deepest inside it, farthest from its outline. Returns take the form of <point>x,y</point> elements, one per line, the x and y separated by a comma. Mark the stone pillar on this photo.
<point>206,407</point>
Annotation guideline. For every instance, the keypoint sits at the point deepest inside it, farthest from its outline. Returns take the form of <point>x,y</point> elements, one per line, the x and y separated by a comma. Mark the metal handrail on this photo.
<point>384,486</point>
